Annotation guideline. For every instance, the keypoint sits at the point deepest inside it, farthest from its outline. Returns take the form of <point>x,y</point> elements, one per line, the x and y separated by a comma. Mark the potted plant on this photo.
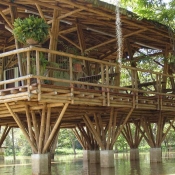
<point>32,30</point>
<point>77,65</point>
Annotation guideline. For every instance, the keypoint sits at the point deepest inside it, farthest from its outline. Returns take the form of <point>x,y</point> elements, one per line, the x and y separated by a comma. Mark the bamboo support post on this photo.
<point>165,134</point>
<point>42,129</point>
<point>110,128</point>
<point>47,124</point>
<point>123,124</point>
<point>29,123</point>
<point>36,129</point>
<point>71,78</point>
<point>46,146</point>
<point>93,131</point>
<point>102,81</point>
<point>28,73</point>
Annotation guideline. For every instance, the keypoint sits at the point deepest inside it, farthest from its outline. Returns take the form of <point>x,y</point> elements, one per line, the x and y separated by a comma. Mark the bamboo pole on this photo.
<point>42,129</point>
<point>77,135</point>
<point>110,128</point>
<point>54,137</point>
<point>19,123</point>
<point>47,125</point>
<point>54,144</point>
<point>29,123</point>
<point>114,125</point>
<point>103,135</point>
<point>93,131</point>
<point>71,78</point>
<point>143,134</point>
<point>120,129</point>
<point>28,73</point>
<point>46,146</point>
<point>97,124</point>
<point>150,141</point>
<point>6,19</point>
<point>86,135</point>
<point>171,124</point>
<point>159,129</point>
<point>4,135</point>
<point>36,130</point>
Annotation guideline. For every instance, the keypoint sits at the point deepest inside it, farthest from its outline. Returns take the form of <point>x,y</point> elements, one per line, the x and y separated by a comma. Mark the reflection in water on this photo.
<point>135,167</point>
<point>107,171</point>
<point>70,165</point>
<point>95,169</point>
<point>91,168</point>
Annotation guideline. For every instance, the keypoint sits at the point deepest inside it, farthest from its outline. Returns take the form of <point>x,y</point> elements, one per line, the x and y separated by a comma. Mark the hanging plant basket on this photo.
<point>30,28</point>
<point>32,41</point>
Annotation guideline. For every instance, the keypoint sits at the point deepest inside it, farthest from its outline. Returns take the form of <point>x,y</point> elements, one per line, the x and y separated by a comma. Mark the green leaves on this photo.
<point>157,10</point>
<point>31,27</point>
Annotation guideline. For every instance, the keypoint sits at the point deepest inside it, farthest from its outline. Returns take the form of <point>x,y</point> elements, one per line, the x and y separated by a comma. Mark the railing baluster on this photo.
<point>102,82</point>
<point>37,63</point>
<point>70,68</point>
<point>71,78</point>
<point>28,62</point>
<point>28,72</point>
<point>38,73</point>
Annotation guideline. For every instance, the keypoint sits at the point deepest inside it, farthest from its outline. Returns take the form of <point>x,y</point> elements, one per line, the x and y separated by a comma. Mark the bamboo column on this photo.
<point>29,122</point>
<point>155,133</point>
<point>42,129</point>
<point>36,129</point>
<point>132,135</point>
<point>85,137</point>
<point>54,37</point>
<point>106,133</point>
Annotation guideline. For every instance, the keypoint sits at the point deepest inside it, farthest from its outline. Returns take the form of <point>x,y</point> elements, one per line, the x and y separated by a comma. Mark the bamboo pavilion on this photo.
<point>83,86</point>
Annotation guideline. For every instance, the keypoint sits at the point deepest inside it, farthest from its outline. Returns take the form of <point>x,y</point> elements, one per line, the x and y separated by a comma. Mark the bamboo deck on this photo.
<point>93,94</point>
<point>81,101</point>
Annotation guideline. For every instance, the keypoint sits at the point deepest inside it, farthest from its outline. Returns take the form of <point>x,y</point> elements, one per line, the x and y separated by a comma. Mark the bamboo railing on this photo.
<point>70,70</point>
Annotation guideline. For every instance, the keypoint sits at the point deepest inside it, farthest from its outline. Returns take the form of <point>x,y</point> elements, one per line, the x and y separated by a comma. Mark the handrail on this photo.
<point>82,80</point>
<point>33,48</point>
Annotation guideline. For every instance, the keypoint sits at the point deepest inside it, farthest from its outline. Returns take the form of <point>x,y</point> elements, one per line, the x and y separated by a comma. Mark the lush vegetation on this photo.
<point>68,144</point>
<point>156,10</point>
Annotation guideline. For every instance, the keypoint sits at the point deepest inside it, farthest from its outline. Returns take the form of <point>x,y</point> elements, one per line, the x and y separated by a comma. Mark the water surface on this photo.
<point>74,165</point>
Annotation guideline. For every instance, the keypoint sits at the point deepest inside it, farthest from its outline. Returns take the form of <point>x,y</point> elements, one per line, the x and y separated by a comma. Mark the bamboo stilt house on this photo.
<point>73,78</point>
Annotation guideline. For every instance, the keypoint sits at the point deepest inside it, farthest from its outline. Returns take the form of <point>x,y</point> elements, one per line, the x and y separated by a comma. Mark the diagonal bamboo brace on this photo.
<point>55,128</point>
<point>19,123</point>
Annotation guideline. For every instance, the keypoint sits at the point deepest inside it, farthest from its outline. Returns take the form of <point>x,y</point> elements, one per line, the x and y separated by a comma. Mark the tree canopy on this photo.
<point>158,10</point>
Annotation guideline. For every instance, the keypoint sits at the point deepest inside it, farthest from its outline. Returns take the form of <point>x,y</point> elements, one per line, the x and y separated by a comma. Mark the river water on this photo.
<point>74,165</point>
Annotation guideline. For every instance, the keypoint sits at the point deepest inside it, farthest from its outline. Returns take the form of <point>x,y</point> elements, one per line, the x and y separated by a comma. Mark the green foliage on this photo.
<point>66,139</point>
<point>67,151</point>
<point>31,27</point>
<point>121,143</point>
<point>43,63</point>
<point>156,10</point>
